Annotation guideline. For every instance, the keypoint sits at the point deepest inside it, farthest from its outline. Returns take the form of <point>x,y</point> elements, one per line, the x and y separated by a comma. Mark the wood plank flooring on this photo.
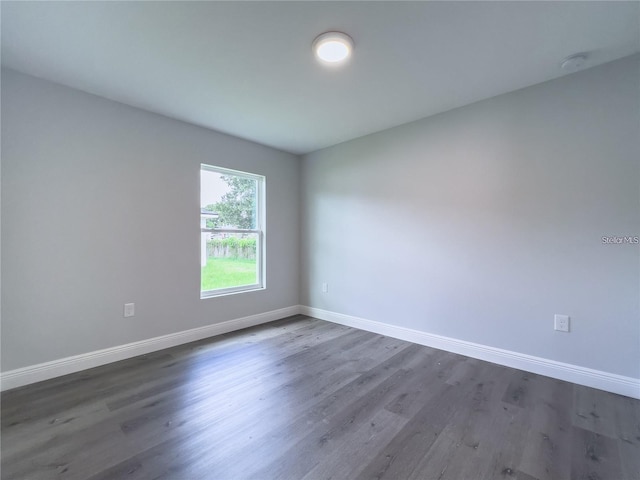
<point>305,399</point>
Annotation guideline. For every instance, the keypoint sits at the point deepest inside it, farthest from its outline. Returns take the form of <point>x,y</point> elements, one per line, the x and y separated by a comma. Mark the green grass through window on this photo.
<point>228,272</point>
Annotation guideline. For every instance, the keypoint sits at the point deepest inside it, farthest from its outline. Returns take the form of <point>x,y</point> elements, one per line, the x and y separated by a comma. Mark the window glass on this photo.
<point>231,230</point>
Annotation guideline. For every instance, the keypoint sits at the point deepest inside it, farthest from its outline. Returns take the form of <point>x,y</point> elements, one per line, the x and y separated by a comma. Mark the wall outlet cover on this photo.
<point>561,323</point>
<point>129,309</point>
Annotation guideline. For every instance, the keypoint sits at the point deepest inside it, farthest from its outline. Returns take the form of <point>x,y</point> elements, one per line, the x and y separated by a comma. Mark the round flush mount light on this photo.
<point>574,62</point>
<point>333,47</point>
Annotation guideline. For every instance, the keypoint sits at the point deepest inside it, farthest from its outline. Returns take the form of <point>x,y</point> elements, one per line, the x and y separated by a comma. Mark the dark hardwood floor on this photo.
<point>306,399</point>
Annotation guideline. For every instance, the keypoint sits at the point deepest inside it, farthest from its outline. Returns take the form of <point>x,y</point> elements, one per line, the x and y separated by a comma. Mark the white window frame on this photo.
<point>259,231</point>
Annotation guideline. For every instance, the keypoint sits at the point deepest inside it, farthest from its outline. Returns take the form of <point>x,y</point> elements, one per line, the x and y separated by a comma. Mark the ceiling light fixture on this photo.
<point>333,47</point>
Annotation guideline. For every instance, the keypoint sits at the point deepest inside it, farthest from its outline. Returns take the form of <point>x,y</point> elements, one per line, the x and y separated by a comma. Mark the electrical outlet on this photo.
<point>325,287</point>
<point>561,323</point>
<point>129,309</point>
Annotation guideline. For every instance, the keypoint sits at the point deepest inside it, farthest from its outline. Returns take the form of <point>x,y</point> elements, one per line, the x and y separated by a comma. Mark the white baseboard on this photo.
<point>44,371</point>
<point>563,371</point>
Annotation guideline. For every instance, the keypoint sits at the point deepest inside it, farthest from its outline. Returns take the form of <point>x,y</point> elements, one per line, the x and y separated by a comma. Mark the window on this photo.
<point>231,231</point>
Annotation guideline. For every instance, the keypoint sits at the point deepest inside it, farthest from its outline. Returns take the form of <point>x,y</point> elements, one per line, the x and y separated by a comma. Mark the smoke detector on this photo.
<point>574,62</point>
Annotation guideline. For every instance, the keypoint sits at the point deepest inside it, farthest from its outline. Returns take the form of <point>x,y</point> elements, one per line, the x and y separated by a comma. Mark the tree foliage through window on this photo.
<point>237,207</point>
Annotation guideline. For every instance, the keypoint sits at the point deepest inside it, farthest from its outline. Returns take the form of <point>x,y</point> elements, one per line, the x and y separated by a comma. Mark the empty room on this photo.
<point>320,240</point>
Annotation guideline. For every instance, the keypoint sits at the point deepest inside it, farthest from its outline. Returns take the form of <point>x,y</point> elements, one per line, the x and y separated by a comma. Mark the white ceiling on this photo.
<point>246,68</point>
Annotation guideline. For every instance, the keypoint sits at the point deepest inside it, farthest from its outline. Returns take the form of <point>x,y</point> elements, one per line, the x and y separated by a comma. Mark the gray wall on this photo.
<point>477,224</point>
<point>482,222</point>
<point>100,206</point>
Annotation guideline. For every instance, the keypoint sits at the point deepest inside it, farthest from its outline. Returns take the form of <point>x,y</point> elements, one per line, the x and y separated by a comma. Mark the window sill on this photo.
<point>221,292</point>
